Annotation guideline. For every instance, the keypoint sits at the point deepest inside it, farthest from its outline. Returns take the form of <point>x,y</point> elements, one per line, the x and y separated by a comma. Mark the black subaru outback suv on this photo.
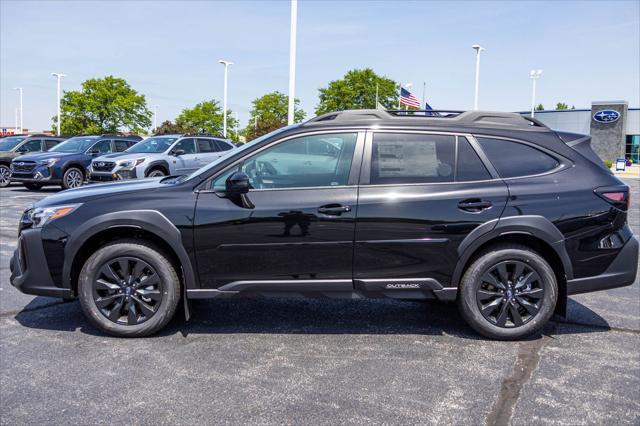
<point>492,210</point>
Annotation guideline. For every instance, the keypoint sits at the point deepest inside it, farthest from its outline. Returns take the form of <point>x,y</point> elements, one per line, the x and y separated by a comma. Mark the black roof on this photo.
<point>466,119</point>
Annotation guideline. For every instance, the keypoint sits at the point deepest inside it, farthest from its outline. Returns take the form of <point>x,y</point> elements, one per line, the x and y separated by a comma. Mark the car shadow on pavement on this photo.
<point>43,190</point>
<point>302,316</point>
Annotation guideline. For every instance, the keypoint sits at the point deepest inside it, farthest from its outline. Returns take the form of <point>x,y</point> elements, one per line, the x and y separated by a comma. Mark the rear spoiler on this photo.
<point>582,145</point>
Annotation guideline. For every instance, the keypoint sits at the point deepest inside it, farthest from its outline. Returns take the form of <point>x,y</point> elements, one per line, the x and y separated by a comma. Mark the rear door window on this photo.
<point>399,158</point>
<point>222,146</point>
<point>469,167</point>
<point>513,159</point>
<point>121,145</point>
<point>206,145</point>
<point>50,143</point>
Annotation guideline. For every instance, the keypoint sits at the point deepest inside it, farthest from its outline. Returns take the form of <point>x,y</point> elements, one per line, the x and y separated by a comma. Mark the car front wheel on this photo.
<point>72,178</point>
<point>507,293</point>
<point>5,176</point>
<point>129,288</point>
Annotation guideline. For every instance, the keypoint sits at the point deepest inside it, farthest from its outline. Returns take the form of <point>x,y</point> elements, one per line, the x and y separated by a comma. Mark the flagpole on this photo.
<point>424,92</point>
<point>376,105</point>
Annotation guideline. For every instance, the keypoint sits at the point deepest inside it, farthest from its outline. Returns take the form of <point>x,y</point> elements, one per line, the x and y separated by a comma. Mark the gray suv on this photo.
<point>161,155</point>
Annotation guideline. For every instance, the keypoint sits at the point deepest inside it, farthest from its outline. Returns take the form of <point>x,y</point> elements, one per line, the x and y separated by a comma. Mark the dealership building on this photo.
<point>613,126</point>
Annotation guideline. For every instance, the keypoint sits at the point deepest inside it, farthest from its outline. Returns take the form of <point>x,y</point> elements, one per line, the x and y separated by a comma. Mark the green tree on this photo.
<point>356,90</point>
<point>270,112</point>
<point>103,105</point>
<point>540,107</point>
<point>207,117</point>
<point>562,105</point>
<point>168,127</point>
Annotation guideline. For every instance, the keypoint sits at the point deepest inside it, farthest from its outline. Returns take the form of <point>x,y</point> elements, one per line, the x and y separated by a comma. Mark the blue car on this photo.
<point>66,164</point>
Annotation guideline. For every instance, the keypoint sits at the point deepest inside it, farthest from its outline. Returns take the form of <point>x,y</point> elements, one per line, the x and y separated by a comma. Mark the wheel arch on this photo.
<point>75,164</point>
<point>158,164</point>
<point>536,232</point>
<point>149,225</point>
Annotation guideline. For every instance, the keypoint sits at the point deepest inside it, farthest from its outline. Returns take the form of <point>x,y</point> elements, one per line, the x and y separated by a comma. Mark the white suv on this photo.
<point>160,156</point>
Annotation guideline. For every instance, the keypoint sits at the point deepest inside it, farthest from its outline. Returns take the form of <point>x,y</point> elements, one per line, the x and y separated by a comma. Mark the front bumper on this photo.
<point>115,174</point>
<point>41,174</point>
<point>29,271</point>
<point>622,272</point>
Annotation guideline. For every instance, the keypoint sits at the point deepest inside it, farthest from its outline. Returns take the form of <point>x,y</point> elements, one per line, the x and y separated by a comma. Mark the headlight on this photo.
<point>129,164</point>
<point>50,162</point>
<point>41,215</point>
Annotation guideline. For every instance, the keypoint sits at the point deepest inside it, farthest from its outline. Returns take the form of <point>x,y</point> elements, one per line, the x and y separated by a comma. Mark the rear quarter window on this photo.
<point>513,159</point>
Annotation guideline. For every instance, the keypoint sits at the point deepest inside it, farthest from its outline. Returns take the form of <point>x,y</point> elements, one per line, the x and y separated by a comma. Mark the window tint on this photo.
<point>103,147</point>
<point>32,145</point>
<point>50,143</point>
<point>412,158</point>
<point>188,145</point>
<point>121,145</point>
<point>516,159</point>
<point>223,146</point>
<point>470,167</point>
<point>309,161</point>
<point>206,145</point>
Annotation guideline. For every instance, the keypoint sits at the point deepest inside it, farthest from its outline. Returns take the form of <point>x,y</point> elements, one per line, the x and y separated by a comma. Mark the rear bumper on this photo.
<point>622,272</point>
<point>29,271</point>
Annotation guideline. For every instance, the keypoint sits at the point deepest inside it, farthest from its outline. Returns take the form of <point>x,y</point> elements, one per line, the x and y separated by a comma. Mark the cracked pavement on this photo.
<point>314,361</point>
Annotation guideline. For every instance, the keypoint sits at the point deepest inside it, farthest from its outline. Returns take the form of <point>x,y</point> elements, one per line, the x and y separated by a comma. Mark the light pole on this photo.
<point>478,49</point>
<point>58,77</point>
<point>292,61</point>
<point>534,75</point>
<point>155,117</point>
<point>224,102</point>
<point>19,89</point>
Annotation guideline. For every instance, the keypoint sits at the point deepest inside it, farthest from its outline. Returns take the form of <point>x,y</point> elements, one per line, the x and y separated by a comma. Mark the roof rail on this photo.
<point>202,134</point>
<point>120,135</point>
<point>468,118</point>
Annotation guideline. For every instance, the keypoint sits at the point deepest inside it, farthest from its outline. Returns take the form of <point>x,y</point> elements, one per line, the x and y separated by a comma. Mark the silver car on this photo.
<point>160,156</point>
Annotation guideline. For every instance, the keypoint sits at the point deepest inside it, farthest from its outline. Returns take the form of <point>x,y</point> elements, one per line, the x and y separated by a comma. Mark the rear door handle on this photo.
<point>334,209</point>
<point>474,205</point>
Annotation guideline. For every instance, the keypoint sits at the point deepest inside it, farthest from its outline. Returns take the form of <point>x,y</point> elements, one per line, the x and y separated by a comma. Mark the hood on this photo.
<point>108,157</point>
<point>8,154</point>
<point>40,156</point>
<point>100,190</point>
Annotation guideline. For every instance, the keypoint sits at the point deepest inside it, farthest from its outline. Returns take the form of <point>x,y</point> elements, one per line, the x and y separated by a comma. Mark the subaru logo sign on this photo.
<point>20,163</point>
<point>100,164</point>
<point>606,116</point>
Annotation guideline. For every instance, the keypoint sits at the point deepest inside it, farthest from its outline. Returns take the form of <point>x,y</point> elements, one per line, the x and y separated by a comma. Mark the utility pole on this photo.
<point>155,117</point>
<point>224,110</point>
<point>292,62</point>
<point>534,75</point>
<point>58,116</point>
<point>19,89</point>
<point>424,94</point>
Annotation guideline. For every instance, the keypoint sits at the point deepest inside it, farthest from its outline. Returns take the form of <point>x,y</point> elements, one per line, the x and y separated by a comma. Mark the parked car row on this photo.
<point>40,160</point>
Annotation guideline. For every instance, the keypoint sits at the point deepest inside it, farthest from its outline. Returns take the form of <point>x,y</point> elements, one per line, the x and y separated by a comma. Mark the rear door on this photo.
<point>420,195</point>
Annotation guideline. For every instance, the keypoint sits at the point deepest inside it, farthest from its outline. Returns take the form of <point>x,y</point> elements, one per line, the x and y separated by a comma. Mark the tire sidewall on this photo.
<point>155,170</point>
<point>4,185</point>
<point>66,173</point>
<point>165,271</point>
<point>471,281</point>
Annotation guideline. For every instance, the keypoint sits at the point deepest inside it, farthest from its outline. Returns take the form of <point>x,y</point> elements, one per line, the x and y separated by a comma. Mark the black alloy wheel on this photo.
<point>127,290</point>
<point>510,294</point>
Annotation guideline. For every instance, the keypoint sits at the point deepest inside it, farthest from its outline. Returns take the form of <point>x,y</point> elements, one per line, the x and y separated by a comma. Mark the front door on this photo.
<point>187,161</point>
<point>301,226</point>
<point>420,196</point>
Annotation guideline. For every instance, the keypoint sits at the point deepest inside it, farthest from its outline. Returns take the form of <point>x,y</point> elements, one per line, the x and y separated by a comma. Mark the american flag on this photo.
<point>407,98</point>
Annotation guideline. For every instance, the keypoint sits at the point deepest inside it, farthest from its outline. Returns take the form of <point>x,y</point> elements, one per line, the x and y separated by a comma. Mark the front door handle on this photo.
<point>474,205</point>
<point>334,209</point>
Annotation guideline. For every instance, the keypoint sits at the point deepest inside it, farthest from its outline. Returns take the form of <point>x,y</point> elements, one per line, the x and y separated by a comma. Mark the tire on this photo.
<point>115,300</point>
<point>5,175</point>
<point>156,172</point>
<point>73,178</point>
<point>529,294</point>
<point>32,186</point>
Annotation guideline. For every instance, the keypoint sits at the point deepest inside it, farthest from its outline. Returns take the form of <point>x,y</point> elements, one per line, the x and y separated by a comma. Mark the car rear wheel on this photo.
<point>72,178</point>
<point>509,292</point>
<point>5,176</point>
<point>129,288</point>
<point>32,186</point>
<point>157,172</point>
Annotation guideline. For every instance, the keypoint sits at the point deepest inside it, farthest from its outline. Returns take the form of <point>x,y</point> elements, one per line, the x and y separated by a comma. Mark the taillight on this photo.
<point>619,198</point>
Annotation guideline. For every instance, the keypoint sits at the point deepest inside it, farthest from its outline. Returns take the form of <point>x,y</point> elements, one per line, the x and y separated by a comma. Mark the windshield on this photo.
<point>77,144</point>
<point>7,144</point>
<point>236,151</point>
<point>152,145</point>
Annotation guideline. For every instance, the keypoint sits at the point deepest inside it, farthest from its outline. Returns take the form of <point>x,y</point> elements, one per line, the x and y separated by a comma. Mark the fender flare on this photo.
<point>536,226</point>
<point>149,220</point>
<point>162,163</point>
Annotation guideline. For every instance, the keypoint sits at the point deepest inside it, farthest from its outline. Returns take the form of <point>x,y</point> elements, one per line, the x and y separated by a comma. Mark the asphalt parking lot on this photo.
<point>314,361</point>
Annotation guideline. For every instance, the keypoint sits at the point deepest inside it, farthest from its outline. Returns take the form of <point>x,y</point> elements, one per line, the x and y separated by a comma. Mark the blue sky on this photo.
<point>589,50</point>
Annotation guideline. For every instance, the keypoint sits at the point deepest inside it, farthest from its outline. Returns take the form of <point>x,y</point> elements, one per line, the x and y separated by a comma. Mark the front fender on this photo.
<point>148,220</point>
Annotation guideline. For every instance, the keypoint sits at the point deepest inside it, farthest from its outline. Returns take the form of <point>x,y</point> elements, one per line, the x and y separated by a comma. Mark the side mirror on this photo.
<point>177,152</point>
<point>237,184</point>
